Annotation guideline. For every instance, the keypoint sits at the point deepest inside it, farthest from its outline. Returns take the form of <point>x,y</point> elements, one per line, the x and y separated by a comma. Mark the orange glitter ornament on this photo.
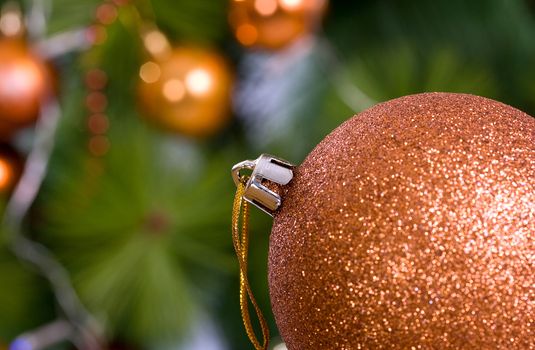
<point>25,81</point>
<point>273,24</point>
<point>186,91</point>
<point>411,226</point>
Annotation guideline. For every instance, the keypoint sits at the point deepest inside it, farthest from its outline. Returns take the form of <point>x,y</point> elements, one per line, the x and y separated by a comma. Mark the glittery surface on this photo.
<point>411,226</point>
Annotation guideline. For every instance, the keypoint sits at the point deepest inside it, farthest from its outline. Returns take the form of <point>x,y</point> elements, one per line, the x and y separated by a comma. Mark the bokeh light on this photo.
<point>199,81</point>
<point>174,90</point>
<point>150,72</point>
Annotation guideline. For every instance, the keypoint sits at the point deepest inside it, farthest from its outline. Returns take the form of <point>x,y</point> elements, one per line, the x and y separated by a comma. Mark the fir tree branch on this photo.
<point>32,252</point>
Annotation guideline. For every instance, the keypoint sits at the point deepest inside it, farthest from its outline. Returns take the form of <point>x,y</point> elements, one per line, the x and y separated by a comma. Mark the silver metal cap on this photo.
<point>265,167</point>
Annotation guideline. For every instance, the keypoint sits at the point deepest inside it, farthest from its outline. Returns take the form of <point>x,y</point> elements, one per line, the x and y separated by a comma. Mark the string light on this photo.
<point>106,13</point>
<point>96,101</point>
<point>99,145</point>
<point>98,124</point>
<point>96,81</point>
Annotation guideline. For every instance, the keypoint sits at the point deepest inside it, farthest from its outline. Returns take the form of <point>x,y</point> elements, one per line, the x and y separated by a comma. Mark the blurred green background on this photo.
<point>144,230</point>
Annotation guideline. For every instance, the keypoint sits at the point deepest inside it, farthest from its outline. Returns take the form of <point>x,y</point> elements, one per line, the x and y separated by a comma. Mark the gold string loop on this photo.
<point>240,238</point>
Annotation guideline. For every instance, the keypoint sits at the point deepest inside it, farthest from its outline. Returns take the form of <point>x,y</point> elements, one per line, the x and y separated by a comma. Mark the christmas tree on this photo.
<point>121,119</point>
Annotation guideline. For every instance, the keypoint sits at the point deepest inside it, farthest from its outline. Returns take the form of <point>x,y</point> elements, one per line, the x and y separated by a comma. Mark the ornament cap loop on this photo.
<point>265,167</point>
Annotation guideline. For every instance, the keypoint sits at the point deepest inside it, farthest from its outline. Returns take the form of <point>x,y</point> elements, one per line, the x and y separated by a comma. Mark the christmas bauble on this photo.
<point>25,80</point>
<point>187,91</point>
<point>10,168</point>
<point>411,226</point>
<point>273,24</point>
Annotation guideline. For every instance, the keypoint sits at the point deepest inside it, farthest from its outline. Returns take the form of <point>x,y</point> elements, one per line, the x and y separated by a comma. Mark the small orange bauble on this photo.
<point>10,169</point>
<point>25,80</point>
<point>273,24</point>
<point>187,91</point>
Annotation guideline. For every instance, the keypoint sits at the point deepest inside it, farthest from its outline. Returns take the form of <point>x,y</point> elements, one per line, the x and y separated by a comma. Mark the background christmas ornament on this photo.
<point>410,226</point>
<point>25,81</point>
<point>273,24</point>
<point>186,91</point>
<point>10,168</point>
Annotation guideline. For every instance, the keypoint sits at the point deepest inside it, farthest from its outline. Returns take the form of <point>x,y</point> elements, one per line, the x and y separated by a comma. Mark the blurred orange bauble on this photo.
<point>10,168</point>
<point>273,24</point>
<point>25,80</point>
<point>186,91</point>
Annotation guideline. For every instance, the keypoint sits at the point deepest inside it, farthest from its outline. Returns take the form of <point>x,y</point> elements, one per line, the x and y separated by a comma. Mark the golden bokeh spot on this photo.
<point>291,5</point>
<point>199,81</point>
<point>150,72</point>
<point>11,23</point>
<point>174,90</point>
<point>156,43</point>
<point>265,7</point>
<point>247,34</point>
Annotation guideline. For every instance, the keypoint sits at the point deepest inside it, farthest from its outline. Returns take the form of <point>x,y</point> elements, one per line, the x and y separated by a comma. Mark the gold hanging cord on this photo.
<point>240,239</point>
